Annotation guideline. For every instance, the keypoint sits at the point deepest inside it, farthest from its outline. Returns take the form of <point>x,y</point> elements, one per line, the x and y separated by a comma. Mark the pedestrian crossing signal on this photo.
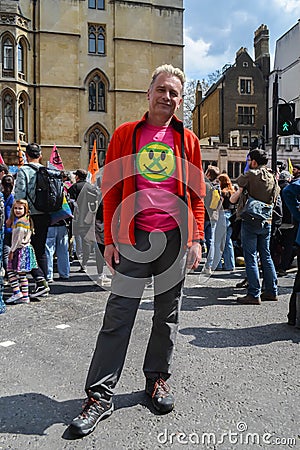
<point>286,118</point>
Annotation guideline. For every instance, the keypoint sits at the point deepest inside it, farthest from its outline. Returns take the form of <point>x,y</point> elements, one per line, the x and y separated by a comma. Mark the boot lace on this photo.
<point>161,388</point>
<point>91,406</point>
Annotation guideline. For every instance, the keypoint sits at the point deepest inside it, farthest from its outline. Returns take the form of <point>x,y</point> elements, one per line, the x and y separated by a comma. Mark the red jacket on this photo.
<point>119,187</point>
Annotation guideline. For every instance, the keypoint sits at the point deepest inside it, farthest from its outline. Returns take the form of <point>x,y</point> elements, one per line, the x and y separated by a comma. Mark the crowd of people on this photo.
<point>38,243</point>
<point>157,213</point>
<point>268,247</point>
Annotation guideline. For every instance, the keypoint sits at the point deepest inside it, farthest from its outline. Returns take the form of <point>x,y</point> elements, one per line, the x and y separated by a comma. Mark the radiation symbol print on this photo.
<point>156,161</point>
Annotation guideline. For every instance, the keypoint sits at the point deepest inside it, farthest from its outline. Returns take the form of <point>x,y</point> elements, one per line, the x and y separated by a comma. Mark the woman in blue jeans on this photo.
<point>227,209</point>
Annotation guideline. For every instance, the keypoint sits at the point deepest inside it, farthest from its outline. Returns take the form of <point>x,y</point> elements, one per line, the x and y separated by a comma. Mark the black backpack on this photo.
<point>49,189</point>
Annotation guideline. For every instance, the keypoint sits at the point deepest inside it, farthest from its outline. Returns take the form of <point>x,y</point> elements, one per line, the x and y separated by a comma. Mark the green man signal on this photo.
<point>286,118</point>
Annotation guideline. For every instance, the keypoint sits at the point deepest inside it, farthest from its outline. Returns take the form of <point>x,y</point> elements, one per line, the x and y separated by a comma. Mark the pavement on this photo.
<point>235,371</point>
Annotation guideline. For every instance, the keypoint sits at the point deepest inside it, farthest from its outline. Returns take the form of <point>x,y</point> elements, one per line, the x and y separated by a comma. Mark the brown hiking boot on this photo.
<point>95,409</point>
<point>249,300</point>
<point>265,296</point>
<point>159,391</point>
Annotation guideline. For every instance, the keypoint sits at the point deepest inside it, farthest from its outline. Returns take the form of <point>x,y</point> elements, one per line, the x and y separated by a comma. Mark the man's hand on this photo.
<point>194,255</point>
<point>111,256</point>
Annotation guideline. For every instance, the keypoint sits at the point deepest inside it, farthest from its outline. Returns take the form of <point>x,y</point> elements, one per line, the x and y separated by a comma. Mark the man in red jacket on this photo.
<point>153,189</point>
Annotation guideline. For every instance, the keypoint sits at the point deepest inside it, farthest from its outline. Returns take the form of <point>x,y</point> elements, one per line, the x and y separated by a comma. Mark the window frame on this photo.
<point>22,71</point>
<point>97,39</point>
<point>8,60</point>
<point>97,89</point>
<point>98,134</point>
<point>242,115</point>
<point>247,89</point>
<point>8,116</point>
<point>96,4</point>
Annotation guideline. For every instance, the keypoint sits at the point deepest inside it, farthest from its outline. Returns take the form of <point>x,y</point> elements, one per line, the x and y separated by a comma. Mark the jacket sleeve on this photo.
<point>21,185</point>
<point>196,187</point>
<point>290,195</point>
<point>112,187</point>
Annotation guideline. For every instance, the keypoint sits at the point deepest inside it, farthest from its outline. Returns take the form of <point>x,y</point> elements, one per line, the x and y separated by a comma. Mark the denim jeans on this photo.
<point>228,253</point>
<point>58,242</point>
<point>256,238</point>
<point>215,235</point>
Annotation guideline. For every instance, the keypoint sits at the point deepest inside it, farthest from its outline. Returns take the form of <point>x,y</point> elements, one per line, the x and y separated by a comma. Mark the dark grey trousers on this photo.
<point>155,254</point>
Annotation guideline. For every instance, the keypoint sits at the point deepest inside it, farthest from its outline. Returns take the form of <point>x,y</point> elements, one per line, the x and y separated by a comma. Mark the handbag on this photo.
<point>256,210</point>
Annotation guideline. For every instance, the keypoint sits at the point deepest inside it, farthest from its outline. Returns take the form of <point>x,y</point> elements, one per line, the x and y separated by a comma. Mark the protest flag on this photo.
<point>290,166</point>
<point>55,158</point>
<point>93,165</point>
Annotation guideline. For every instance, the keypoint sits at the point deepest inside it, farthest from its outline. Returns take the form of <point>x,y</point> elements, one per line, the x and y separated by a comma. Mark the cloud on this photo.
<point>289,6</point>
<point>199,60</point>
<point>212,40</point>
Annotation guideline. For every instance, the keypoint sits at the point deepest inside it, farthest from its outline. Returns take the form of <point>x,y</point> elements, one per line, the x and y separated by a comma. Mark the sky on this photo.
<point>215,29</point>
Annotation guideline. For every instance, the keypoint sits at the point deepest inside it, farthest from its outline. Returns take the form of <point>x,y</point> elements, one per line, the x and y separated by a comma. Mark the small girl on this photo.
<point>21,257</point>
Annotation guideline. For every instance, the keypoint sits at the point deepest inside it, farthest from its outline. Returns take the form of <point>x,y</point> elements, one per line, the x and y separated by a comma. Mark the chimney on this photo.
<point>261,49</point>
<point>198,98</point>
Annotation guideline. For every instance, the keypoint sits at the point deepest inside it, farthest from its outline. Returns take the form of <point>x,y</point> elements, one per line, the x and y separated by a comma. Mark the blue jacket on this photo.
<point>291,196</point>
<point>8,202</point>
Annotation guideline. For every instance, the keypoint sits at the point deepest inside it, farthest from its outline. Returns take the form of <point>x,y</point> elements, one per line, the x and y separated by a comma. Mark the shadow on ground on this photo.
<point>215,337</point>
<point>33,413</point>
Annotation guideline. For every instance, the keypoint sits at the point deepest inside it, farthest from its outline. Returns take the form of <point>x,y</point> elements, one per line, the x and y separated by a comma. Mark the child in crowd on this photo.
<point>7,189</point>
<point>21,257</point>
<point>2,304</point>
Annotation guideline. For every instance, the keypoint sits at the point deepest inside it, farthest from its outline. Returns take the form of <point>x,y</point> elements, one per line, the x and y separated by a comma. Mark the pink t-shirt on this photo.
<point>157,203</point>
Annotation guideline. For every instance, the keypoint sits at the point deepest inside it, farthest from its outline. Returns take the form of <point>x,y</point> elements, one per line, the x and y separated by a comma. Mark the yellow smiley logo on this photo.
<point>155,161</point>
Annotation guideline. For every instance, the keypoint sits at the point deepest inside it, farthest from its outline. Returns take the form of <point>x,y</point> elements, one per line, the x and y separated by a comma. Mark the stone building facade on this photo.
<point>73,70</point>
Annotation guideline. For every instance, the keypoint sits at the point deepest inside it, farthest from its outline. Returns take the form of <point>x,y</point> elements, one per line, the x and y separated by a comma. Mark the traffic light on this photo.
<point>286,118</point>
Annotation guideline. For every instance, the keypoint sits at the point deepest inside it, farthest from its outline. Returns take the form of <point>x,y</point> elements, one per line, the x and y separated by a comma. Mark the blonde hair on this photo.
<point>23,202</point>
<point>169,69</point>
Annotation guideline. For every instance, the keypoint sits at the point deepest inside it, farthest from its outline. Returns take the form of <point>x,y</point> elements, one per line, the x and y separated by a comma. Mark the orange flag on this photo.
<point>21,161</point>
<point>93,165</point>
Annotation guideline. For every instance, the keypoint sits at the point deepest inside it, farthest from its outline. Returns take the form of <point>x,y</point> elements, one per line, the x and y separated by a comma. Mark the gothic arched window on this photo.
<point>96,39</point>
<point>8,58</point>
<point>97,94</point>
<point>8,113</point>
<point>8,116</point>
<point>101,138</point>
<point>101,41</point>
<point>92,39</point>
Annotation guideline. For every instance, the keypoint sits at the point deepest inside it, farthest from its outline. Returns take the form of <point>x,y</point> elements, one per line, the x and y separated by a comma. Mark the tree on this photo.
<point>189,103</point>
<point>190,95</point>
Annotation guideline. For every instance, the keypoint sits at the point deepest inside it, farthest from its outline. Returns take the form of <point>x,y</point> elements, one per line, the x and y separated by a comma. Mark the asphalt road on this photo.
<point>235,372</point>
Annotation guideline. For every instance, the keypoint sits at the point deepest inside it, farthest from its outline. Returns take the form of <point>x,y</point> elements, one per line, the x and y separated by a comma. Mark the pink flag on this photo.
<point>1,159</point>
<point>55,159</point>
